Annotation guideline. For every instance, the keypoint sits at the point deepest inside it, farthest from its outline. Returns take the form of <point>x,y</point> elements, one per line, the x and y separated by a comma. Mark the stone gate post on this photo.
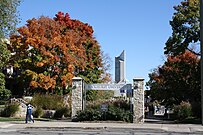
<point>138,100</point>
<point>77,95</point>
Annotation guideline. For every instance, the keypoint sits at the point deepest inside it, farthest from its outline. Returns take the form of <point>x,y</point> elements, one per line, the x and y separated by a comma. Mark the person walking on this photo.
<point>29,115</point>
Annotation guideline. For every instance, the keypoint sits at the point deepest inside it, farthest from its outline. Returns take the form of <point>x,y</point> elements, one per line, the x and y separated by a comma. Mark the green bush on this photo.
<point>89,115</point>
<point>38,112</point>
<point>183,111</point>
<point>64,111</point>
<point>10,110</point>
<point>93,105</point>
<point>118,114</point>
<point>118,110</point>
<point>121,103</point>
<point>128,116</point>
<point>47,102</point>
<point>114,114</point>
<point>4,102</point>
<point>4,93</point>
<point>91,95</point>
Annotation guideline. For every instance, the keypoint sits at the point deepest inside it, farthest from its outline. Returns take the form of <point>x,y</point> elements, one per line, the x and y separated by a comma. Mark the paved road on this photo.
<point>104,128</point>
<point>89,131</point>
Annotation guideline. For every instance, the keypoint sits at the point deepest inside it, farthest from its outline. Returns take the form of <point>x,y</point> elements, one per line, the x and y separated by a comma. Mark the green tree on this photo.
<point>178,79</point>
<point>8,21</point>
<point>4,93</point>
<point>186,29</point>
<point>4,57</point>
<point>8,16</point>
<point>4,53</point>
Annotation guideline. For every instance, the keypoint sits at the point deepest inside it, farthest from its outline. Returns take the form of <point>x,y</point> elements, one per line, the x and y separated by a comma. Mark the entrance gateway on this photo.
<point>136,90</point>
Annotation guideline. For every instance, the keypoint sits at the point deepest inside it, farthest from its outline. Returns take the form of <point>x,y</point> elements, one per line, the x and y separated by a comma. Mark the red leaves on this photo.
<point>58,46</point>
<point>74,24</point>
<point>181,66</point>
<point>187,57</point>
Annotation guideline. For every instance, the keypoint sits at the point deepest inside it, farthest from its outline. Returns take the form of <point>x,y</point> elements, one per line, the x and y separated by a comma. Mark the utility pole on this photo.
<point>201,44</point>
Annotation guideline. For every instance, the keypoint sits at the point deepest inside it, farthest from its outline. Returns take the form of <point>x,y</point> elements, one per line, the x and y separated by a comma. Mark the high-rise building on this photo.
<point>120,68</point>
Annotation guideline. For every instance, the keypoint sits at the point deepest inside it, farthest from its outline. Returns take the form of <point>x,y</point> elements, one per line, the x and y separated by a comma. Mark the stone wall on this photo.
<point>77,96</point>
<point>138,100</point>
<point>21,113</point>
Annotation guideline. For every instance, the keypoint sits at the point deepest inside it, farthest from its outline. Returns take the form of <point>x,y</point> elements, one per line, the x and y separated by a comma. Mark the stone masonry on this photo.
<point>78,98</point>
<point>77,95</point>
<point>138,100</point>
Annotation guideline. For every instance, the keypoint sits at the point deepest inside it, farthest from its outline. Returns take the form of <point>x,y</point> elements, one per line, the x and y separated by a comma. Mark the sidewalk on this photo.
<point>179,128</point>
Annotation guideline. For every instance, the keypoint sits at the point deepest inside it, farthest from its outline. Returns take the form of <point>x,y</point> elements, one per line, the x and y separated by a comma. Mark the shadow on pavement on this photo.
<point>159,121</point>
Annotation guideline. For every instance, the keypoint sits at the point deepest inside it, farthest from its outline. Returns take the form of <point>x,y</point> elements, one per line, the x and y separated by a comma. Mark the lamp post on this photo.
<point>201,44</point>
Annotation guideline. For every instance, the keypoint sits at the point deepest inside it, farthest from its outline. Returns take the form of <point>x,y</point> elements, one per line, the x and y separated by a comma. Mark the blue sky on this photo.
<point>139,27</point>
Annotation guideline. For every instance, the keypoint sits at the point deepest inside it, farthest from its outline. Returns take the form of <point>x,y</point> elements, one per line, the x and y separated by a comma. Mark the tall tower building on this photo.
<point>120,68</point>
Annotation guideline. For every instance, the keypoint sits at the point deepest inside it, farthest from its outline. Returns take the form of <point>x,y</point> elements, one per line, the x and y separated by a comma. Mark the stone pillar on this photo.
<point>77,95</point>
<point>138,100</point>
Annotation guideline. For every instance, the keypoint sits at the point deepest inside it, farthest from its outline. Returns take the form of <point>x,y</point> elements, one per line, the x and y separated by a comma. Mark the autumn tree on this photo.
<point>177,80</point>
<point>185,29</point>
<point>50,52</point>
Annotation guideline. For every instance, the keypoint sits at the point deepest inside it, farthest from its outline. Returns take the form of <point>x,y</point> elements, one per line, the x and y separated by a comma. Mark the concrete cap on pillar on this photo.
<point>77,78</point>
<point>138,79</point>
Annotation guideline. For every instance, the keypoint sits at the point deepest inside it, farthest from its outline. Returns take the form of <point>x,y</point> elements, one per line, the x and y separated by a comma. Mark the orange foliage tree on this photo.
<point>177,80</point>
<point>50,52</point>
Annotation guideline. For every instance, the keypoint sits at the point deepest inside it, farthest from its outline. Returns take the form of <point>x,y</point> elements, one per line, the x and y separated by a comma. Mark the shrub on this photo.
<point>4,102</point>
<point>4,93</point>
<point>47,102</point>
<point>183,111</point>
<point>91,95</point>
<point>118,114</point>
<point>115,114</point>
<point>89,115</point>
<point>64,111</point>
<point>128,116</point>
<point>10,110</point>
<point>123,104</point>
<point>48,113</point>
<point>118,110</point>
<point>38,112</point>
<point>104,94</point>
<point>93,105</point>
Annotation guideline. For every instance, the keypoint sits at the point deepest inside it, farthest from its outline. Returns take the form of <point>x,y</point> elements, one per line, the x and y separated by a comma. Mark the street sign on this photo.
<point>104,107</point>
<point>102,86</point>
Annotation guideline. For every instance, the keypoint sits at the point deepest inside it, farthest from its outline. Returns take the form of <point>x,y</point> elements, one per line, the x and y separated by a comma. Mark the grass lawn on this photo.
<point>4,119</point>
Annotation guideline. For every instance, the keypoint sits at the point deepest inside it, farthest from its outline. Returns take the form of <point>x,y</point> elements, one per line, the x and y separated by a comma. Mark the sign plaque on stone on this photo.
<point>103,86</point>
<point>104,107</point>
